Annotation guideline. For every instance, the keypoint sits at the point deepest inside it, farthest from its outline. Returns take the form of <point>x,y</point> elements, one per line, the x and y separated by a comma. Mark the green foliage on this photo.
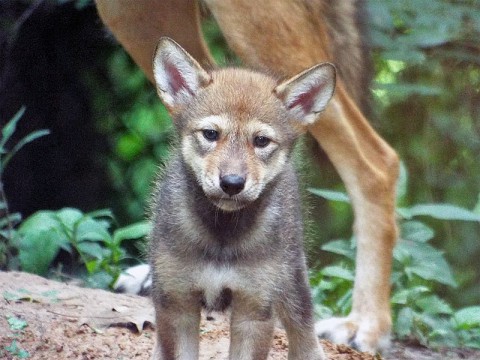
<point>87,238</point>
<point>34,244</point>
<point>405,29</point>
<point>427,97</point>
<point>8,220</point>
<point>7,132</point>
<point>17,325</point>
<point>15,350</point>
<point>419,270</point>
<point>137,128</point>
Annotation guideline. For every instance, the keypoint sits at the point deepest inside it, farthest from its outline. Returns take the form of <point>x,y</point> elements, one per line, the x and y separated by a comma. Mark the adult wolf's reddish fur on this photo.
<point>285,37</point>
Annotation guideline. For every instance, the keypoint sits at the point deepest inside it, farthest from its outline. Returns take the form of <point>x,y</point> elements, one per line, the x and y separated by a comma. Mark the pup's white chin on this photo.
<point>229,204</point>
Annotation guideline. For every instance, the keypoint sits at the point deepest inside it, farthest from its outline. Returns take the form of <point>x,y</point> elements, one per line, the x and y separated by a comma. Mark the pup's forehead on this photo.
<point>238,100</point>
<point>242,93</point>
<point>246,77</point>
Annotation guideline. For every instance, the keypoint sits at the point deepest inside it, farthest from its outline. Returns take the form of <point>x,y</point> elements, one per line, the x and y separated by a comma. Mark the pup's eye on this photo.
<point>210,135</point>
<point>261,141</point>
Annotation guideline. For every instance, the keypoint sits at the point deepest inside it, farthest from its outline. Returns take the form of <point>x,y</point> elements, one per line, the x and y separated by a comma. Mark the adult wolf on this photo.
<point>285,37</point>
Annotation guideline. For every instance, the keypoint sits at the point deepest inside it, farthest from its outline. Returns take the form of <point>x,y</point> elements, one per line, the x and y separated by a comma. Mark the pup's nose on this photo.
<point>232,184</point>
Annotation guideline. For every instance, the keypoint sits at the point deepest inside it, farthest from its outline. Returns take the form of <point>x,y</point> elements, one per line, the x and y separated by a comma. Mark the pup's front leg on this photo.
<point>251,330</point>
<point>177,332</point>
<point>296,313</point>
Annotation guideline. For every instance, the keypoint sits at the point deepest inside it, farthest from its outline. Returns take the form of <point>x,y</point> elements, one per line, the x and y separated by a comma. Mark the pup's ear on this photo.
<point>307,94</point>
<point>178,76</point>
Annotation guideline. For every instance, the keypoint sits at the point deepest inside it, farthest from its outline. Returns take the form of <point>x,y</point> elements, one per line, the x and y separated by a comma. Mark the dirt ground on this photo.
<point>44,319</point>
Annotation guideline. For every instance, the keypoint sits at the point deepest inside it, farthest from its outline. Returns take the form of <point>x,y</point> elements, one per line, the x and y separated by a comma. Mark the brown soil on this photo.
<point>51,320</point>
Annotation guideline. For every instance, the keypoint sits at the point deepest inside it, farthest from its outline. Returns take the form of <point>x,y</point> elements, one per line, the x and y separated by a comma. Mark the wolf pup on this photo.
<point>227,228</point>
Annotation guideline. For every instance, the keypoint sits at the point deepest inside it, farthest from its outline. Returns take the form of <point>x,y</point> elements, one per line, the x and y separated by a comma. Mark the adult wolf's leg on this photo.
<point>139,24</point>
<point>369,168</point>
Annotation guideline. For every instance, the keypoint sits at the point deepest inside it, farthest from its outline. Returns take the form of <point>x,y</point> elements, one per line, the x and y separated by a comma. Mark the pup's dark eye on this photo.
<point>210,135</point>
<point>261,141</point>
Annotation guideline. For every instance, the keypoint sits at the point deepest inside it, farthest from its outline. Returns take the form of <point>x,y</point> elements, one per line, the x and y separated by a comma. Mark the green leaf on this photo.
<point>402,182</point>
<point>338,272</point>
<point>101,213</point>
<point>424,261</point>
<point>401,91</point>
<point>23,354</point>
<point>428,39</point>
<point>7,295</point>
<point>134,231</point>
<point>91,230</point>
<point>39,221</point>
<point>434,305</point>
<point>69,217</point>
<point>444,212</point>
<point>16,323</point>
<point>399,54</point>
<point>143,172</point>
<point>436,329</point>
<point>12,219</point>
<point>100,280</point>
<point>27,139</point>
<point>416,231</point>
<point>404,323</point>
<point>37,250</point>
<point>10,127</point>
<point>44,221</point>
<point>403,213</point>
<point>92,249</point>
<point>468,318</point>
<point>15,350</point>
<point>341,247</point>
<point>379,15</point>
<point>406,296</point>
<point>52,295</point>
<point>344,304</point>
<point>92,266</point>
<point>330,195</point>
<point>129,146</point>
<point>476,209</point>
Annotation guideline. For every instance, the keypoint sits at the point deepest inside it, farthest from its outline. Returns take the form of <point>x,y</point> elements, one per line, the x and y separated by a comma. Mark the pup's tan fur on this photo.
<point>227,228</point>
<point>287,37</point>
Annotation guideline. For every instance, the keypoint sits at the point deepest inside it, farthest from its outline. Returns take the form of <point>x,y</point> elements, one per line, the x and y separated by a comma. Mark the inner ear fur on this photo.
<point>308,93</point>
<point>178,76</point>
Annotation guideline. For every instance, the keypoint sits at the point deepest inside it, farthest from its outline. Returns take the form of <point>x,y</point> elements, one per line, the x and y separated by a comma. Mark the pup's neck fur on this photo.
<point>227,226</point>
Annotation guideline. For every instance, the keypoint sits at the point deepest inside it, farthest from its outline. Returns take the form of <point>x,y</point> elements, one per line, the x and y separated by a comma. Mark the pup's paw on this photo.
<point>363,334</point>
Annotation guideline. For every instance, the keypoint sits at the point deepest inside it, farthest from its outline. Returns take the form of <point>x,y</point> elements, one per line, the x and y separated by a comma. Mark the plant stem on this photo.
<point>9,238</point>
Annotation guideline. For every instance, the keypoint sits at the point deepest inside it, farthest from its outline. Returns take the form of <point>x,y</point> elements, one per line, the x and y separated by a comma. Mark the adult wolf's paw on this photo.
<point>362,333</point>
<point>135,280</point>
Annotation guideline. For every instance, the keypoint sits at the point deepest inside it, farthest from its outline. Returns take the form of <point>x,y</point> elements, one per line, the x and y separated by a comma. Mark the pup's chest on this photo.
<point>217,284</point>
<point>220,284</point>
